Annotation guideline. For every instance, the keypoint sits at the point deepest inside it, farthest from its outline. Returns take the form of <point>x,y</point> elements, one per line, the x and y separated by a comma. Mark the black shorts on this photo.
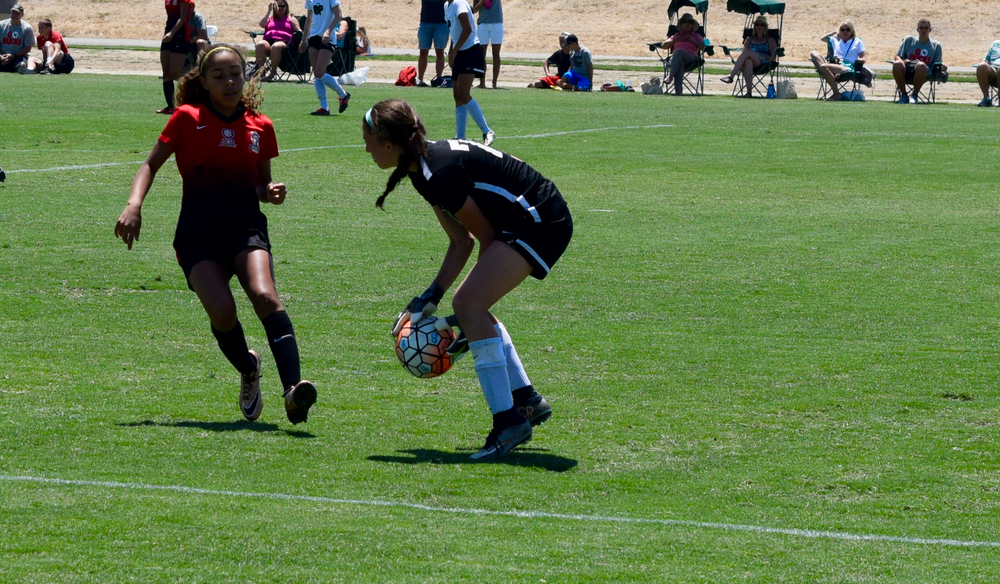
<point>910,67</point>
<point>541,244</point>
<point>471,61</point>
<point>222,250</point>
<point>316,42</point>
<point>179,42</point>
<point>66,65</point>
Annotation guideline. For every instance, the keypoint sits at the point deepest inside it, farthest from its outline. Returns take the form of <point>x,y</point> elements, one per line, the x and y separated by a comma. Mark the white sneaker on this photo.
<point>251,402</point>
<point>489,137</point>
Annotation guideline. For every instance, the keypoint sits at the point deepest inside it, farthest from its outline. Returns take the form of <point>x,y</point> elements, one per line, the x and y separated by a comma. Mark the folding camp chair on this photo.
<point>928,93</point>
<point>763,75</point>
<point>293,63</point>
<point>347,49</point>
<point>848,79</point>
<point>696,69</point>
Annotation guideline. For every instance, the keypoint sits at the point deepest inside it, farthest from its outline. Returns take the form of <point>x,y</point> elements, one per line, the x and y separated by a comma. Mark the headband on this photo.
<point>368,120</point>
<point>201,67</point>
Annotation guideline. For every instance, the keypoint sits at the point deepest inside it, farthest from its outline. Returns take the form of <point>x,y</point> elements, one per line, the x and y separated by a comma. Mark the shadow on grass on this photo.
<point>234,426</point>
<point>533,457</point>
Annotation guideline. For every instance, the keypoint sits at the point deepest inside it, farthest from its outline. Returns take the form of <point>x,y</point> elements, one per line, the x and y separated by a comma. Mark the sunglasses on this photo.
<point>845,29</point>
<point>282,5</point>
<point>923,28</point>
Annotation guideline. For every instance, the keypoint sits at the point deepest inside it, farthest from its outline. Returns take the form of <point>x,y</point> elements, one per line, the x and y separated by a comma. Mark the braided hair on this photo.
<point>396,121</point>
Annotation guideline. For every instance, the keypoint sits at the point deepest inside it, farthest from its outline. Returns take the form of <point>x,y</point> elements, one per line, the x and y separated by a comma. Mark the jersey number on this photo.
<point>463,146</point>
<point>317,9</point>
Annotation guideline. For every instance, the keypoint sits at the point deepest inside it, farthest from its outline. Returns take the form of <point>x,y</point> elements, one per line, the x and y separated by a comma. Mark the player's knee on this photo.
<point>466,306</point>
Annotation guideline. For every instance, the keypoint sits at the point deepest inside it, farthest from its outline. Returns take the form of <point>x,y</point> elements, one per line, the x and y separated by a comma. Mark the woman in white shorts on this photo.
<point>490,32</point>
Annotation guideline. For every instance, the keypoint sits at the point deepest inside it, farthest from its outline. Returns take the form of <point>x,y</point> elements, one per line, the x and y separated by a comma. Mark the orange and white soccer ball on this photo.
<point>421,348</point>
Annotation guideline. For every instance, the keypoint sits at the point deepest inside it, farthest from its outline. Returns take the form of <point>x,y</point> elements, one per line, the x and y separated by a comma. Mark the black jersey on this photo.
<point>508,191</point>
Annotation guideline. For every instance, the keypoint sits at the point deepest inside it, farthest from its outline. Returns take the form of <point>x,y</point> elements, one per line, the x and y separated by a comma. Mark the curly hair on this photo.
<point>396,121</point>
<point>191,91</point>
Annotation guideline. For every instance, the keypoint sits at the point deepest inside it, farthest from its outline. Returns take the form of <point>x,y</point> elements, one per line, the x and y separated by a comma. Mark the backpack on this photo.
<point>407,77</point>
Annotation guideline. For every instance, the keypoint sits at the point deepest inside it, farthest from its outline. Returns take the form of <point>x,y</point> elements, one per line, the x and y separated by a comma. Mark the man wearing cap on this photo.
<point>16,39</point>
<point>686,45</point>
<point>914,60</point>
<point>580,76</point>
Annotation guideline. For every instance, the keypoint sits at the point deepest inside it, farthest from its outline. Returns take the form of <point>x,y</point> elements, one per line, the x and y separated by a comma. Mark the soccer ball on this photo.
<point>421,348</point>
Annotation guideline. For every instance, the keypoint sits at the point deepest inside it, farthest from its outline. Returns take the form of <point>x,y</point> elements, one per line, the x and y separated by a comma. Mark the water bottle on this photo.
<point>770,91</point>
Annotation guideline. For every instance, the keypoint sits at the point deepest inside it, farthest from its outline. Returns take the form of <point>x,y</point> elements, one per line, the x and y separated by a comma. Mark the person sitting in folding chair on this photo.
<point>279,29</point>
<point>915,60</point>
<point>686,46</point>
<point>758,48</point>
<point>848,57</point>
<point>986,73</point>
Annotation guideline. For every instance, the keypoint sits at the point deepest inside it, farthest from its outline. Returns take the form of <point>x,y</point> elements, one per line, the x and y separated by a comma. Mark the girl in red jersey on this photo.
<point>224,147</point>
<point>523,227</point>
<point>174,47</point>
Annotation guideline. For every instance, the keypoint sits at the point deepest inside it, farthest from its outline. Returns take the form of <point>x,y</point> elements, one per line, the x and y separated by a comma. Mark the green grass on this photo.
<point>789,320</point>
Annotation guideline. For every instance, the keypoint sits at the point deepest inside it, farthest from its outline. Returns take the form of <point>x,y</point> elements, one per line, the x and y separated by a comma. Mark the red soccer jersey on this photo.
<point>174,7</point>
<point>218,165</point>
<point>56,38</point>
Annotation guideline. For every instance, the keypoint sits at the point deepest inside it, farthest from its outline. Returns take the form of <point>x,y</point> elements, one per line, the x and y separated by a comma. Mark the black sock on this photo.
<point>168,91</point>
<point>508,418</point>
<point>281,337</point>
<point>234,347</point>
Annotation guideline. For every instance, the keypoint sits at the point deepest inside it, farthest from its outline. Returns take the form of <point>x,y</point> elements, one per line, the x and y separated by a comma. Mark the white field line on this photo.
<point>803,533</point>
<point>308,148</point>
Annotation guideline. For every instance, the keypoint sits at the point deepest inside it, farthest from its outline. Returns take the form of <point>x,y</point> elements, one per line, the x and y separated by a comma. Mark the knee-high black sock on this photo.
<point>234,347</point>
<point>281,337</point>
<point>168,91</point>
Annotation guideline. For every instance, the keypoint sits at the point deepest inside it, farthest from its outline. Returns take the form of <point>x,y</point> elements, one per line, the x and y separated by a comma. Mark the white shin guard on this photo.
<point>491,369</point>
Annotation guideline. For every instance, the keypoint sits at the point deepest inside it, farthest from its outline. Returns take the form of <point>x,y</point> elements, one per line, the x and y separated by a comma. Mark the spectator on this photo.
<point>915,59</point>
<point>561,60</point>
<point>686,45</point>
<point>364,45</point>
<point>467,61</point>
<point>433,30</point>
<point>322,19</point>
<point>55,53</point>
<point>758,48</point>
<point>490,32</point>
<point>581,74</point>
<point>197,32</point>
<point>16,39</point>
<point>986,73</point>
<point>174,48</point>
<point>847,53</point>
<point>279,28</point>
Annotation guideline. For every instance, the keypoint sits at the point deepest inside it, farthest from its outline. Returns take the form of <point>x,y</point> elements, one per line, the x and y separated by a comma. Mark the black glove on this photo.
<point>460,346</point>
<point>420,307</point>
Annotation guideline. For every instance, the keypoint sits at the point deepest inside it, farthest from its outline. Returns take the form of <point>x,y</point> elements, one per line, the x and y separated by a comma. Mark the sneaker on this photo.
<point>421,83</point>
<point>46,71</point>
<point>3,175</point>
<point>167,110</point>
<point>536,410</point>
<point>343,102</point>
<point>251,402</point>
<point>320,112</point>
<point>987,102</point>
<point>903,98</point>
<point>298,400</point>
<point>489,137</point>
<point>23,70</point>
<point>503,440</point>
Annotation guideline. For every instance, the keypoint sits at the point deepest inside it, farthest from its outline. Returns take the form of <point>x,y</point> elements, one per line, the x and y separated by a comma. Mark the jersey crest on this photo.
<point>254,142</point>
<point>228,140</point>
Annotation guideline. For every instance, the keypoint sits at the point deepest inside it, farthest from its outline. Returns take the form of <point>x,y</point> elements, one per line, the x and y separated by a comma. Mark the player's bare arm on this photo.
<point>130,221</point>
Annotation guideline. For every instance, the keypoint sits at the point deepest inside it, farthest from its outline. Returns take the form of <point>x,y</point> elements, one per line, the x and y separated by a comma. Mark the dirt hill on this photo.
<point>965,28</point>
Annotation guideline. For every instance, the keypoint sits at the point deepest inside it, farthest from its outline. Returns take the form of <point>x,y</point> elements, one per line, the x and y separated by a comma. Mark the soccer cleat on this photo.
<point>251,402</point>
<point>535,409</point>
<point>503,440</point>
<point>489,137</point>
<point>320,112</point>
<point>298,400</point>
<point>903,98</point>
<point>343,103</point>
<point>167,110</point>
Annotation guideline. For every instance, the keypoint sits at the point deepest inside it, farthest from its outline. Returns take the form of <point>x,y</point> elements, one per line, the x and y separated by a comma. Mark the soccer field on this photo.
<point>771,350</point>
